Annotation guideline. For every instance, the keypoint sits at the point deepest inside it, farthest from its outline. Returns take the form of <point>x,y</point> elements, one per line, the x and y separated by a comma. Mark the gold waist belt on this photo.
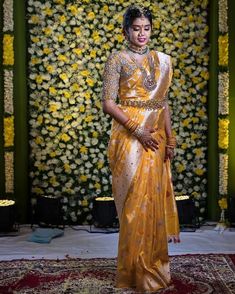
<point>148,104</point>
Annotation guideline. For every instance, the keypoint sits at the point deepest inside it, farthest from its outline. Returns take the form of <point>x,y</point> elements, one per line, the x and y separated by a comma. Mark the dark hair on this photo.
<point>134,12</point>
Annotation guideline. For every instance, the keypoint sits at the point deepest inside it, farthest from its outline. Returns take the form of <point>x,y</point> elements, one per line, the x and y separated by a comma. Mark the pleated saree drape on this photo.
<point>141,181</point>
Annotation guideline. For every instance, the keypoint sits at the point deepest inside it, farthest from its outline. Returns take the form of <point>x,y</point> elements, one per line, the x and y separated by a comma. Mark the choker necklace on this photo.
<point>138,50</point>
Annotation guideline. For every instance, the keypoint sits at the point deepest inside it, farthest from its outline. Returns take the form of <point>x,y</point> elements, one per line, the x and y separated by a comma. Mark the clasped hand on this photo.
<point>147,140</point>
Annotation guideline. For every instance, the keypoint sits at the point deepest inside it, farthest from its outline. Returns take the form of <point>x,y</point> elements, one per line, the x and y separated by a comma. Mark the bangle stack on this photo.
<point>134,128</point>
<point>131,125</point>
<point>138,132</point>
<point>171,142</point>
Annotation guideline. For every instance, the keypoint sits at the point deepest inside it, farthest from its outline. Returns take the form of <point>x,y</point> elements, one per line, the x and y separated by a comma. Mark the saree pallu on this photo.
<point>144,198</point>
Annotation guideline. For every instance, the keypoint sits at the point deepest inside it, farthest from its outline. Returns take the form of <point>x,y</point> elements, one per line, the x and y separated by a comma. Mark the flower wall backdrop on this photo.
<point>8,119</point>
<point>223,105</point>
<point>69,42</point>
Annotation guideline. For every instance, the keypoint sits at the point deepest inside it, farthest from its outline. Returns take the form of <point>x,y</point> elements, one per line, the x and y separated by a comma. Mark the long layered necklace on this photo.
<point>149,82</point>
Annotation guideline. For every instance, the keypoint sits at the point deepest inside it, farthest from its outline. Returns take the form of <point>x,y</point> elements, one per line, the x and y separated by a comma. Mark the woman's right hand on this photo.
<point>147,140</point>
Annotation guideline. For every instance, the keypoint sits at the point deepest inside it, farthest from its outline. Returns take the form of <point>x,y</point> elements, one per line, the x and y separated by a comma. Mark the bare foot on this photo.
<point>174,239</point>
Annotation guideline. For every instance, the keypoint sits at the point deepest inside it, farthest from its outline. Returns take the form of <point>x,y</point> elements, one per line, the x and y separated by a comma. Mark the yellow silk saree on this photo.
<point>141,180</point>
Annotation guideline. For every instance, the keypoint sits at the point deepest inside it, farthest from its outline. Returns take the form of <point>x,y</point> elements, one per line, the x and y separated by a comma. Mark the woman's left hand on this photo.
<point>169,154</point>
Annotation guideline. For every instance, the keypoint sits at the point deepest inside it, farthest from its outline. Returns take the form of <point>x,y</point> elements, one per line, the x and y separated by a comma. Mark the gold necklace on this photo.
<point>149,82</point>
<point>138,50</point>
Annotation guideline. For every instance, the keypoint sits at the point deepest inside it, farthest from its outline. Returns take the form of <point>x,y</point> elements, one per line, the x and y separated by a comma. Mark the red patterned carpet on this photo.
<point>197,274</point>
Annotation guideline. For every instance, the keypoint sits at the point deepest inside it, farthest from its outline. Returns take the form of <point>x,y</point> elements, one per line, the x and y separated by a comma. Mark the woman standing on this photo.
<point>140,148</point>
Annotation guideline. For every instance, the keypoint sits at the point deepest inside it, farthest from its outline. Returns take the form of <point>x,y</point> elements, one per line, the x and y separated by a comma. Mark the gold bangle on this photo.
<point>171,142</point>
<point>131,125</point>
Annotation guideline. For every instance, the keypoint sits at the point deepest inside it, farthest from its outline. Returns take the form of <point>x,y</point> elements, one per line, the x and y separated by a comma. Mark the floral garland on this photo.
<point>69,44</point>
<point>8,63</point>
<point>223,110</point>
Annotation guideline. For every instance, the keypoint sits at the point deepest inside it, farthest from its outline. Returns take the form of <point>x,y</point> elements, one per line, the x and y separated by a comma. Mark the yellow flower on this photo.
<point>68,117</point>
<point>35,19</point>
<point>67,94</point>
<point>40,119</point>
<point>203,99</point>
<point>77,31</point>
<point>62,18</point>
<point>85,73</point>
<point>8,49</point>
<point>73,9</point>
<point>75,87</point>
<point>47,31</point>
<point>83,149</point>
<point>95,134</point>
<point>180,168</point>
<point>50,68</point>
<point>39,79</point>
<point>52,154</point>
<point>64,137</point>
<point>205,75</point>
<point>223,50</point>
<point>87,95</point>
<point>38,140</point>
<point>120,38</point>
<point>60,38</point>
<point>38,191</point>
<point>52,91</point>
<point>100,164</point>
<point>83,178</point>
<point>67,168</point>
<point>51,128</point>
<point>35,39</point>
<point>199,171</point>
<point>190,18</point>
<point>195,120</point>
<point>35,60</point>
<point>223,133</point>
<point>53,107</point>
<point>62,57</point>
<point>41,166</point>
<point>97,185</point>
<point>223,204</point>
<point>74,66</point>
<point>64,77</point>
<point>184,145</point>
<point>9,131</point>
<point>91,15</point>
<point>53,181</point>
<point>89,118</point>
<point>110,27</point>
<point>98,104</point>
<point>93,54</point>
<point>198,152</point>
<point>105,8</point>
<point>48,11</point>
<point>82,108</point>
<point>201,113</point>
<point>186,122</point>
<point>179,44</point>
<point>59,1</point>
<point>90,82</point>
<point>47,50</point>
<point>84,202</point>
<point>95,36</point>
<point>194,136</point>
<point>77,51</point>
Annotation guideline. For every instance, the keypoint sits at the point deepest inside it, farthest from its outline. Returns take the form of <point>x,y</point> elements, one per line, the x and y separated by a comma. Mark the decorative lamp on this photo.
<point>104,212</point>
<point>7,215</point>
